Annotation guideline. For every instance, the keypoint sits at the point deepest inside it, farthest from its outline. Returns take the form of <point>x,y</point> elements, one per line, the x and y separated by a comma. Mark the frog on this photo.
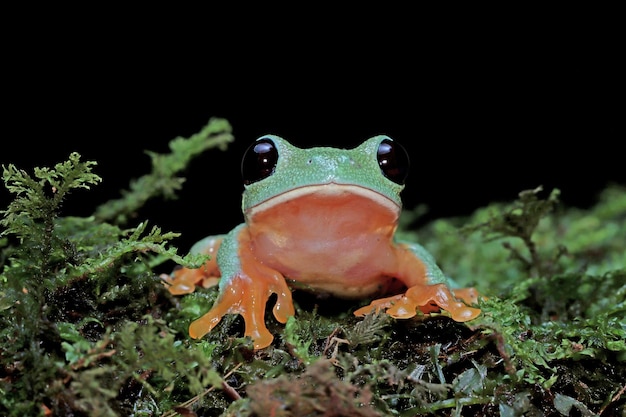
<point>323,220</point>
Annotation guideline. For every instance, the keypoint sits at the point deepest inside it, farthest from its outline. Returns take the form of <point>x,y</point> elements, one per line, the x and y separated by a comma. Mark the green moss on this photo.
<point>162,181</point>
<point>89,329</point>
<point>76,291</point>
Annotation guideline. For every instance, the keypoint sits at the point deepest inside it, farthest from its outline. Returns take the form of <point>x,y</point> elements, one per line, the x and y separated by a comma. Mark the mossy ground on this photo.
<point>88,328</point>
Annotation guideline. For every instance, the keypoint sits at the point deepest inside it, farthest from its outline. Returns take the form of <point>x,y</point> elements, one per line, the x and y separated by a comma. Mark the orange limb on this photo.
<point>184,280</point>
<point>426,298</point>
<point>246,293</point>
<point>427,290</point>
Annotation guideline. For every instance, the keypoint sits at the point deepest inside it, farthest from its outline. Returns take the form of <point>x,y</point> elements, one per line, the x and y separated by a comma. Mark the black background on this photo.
<point>483,114</point>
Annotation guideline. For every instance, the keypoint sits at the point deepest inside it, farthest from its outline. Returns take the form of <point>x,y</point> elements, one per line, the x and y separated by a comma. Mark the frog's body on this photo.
<point>324,219</point>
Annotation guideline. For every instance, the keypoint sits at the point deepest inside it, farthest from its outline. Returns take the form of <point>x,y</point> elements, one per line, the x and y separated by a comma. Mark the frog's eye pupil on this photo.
<point>393,161</point>
<point>259,161</point>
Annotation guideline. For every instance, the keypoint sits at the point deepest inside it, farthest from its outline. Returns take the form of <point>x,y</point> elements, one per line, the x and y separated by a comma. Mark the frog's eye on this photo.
<point>259,161</point>
<point>393,161</point>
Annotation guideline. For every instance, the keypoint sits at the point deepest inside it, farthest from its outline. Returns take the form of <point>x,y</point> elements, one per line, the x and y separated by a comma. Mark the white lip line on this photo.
<point>329,189</point>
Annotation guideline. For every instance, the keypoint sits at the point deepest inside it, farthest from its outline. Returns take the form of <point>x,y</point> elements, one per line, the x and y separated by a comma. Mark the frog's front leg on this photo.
<point>184,280</point>
<point>244,289</point>
<point>428,289</point>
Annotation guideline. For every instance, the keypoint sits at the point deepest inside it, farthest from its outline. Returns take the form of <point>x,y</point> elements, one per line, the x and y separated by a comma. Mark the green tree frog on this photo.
<point>322,219</point>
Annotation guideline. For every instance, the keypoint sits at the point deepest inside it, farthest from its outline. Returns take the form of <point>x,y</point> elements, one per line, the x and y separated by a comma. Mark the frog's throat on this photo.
<point>325,190</point>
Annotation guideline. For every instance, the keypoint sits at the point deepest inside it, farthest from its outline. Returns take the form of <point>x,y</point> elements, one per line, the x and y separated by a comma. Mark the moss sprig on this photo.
<point>163,180</point>
<point>520,220</point>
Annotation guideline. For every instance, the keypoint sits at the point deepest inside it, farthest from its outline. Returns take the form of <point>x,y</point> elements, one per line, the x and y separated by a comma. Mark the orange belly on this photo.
<point>340,244</point>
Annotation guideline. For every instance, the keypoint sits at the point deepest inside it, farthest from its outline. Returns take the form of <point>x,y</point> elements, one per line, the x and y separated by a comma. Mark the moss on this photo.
<point>88,328</point>
<point>80,298</point>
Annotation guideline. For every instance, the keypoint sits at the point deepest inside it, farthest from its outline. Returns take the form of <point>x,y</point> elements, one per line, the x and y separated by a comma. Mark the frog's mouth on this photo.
<point>326,191</point>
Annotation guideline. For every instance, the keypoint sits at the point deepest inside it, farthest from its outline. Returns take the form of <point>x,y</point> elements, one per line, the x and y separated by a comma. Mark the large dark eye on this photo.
<point>393,161</point>
<point>259,161</point>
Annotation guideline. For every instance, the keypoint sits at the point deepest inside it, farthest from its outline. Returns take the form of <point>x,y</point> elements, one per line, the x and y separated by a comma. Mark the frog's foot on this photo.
<point>428,299</point>
<point>184,280</point>
<point>467,295</point>
<point>248,297</point>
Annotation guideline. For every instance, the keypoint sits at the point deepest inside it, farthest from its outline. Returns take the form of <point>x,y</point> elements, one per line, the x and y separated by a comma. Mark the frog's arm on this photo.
<point>184,280</point>
<point>428,289</point>
<point>244,289</point>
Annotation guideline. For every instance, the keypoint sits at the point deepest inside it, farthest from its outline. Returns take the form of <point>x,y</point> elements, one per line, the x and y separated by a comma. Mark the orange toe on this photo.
<point>426,299</point>
<point>248,298</point>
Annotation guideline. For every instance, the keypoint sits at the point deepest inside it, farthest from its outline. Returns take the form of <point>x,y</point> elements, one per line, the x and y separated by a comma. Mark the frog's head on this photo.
<point>274,171</point>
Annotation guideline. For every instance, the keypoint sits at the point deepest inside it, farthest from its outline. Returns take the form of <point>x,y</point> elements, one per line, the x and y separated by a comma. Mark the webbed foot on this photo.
<point>184,280</point>
<point>428,299</point>
<point>248,298</point>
